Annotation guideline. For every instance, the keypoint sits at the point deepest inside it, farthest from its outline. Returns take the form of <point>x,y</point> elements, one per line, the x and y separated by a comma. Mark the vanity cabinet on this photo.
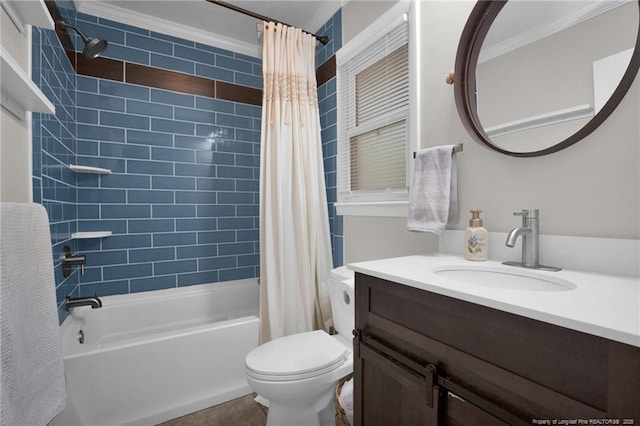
<point>422,358</point>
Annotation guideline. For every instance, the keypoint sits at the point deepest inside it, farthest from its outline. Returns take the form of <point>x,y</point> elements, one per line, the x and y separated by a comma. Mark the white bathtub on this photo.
<point>150,357</point>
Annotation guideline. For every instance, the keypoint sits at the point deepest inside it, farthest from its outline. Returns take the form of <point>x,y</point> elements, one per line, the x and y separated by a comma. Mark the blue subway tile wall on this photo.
<point>181,199</point>
<point>333,29</point>
<point>145,47</point>
<point>181,185</point>
<point>54,147</point>
<point>328,122</point>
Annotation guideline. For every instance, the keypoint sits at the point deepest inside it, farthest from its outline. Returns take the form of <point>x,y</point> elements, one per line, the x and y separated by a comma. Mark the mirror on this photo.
<point>532,78</point>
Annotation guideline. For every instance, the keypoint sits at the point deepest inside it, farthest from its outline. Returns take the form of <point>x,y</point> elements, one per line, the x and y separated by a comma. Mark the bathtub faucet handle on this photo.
<point>68,260</point>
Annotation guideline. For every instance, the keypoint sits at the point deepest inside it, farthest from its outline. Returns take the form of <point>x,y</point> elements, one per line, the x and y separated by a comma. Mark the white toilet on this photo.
<point>298,373</point>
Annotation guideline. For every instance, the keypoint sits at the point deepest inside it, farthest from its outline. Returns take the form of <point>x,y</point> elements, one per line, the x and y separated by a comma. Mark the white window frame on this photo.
<point>382,203</point>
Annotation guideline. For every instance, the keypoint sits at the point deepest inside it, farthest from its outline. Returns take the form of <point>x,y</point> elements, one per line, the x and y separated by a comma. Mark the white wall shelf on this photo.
<point>88,169</point>
<point>31,12</point>
<point>19,93</point>
<point>86,235</point>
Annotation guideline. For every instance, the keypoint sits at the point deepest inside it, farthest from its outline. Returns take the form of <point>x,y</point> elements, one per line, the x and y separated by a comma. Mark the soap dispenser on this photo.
<point>475,238</point>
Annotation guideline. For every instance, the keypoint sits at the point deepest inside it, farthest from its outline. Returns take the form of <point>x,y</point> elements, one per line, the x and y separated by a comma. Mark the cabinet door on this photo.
<point>391,394</point>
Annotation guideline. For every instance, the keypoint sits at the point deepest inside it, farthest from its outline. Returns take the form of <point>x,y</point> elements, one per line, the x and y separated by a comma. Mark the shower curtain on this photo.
<point>295,246</point>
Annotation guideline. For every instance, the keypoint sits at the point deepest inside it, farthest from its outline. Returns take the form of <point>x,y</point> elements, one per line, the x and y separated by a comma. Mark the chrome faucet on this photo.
<point>74,302</point>
<point>530,233</point>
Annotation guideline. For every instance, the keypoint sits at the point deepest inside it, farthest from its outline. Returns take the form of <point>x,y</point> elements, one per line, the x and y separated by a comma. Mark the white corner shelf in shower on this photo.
<point>89,169</point>
<point>86,235</point>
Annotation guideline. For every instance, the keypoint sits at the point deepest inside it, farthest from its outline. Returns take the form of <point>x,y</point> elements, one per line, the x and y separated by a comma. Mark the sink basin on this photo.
<point>506,278</point>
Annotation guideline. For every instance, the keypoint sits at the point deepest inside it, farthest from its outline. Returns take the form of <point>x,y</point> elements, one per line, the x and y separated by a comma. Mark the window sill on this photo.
<point>386,208</point>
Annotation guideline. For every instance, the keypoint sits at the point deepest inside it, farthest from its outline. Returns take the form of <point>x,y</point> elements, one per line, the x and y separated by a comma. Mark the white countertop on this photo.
<point>602,305</point>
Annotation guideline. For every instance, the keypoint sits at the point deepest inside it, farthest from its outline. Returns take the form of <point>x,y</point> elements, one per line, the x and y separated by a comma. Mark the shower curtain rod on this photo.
<point>322,39</point>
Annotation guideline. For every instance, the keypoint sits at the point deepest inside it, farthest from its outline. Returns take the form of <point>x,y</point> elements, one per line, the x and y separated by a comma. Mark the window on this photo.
<point>375,99</point>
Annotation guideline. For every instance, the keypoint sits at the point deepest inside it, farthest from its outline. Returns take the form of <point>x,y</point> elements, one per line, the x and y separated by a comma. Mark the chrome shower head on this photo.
<point>93,47</point>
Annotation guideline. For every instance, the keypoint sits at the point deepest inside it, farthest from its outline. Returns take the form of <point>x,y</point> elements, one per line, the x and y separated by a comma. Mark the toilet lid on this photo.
<point>297,356</point>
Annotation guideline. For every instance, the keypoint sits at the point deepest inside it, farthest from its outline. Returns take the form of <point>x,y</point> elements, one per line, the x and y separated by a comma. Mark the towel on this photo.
<point>434,191</point>
<point>346,399</point>
<point>32,385</point>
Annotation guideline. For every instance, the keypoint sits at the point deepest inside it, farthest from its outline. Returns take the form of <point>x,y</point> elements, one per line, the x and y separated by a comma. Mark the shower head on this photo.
<point>93,47</point>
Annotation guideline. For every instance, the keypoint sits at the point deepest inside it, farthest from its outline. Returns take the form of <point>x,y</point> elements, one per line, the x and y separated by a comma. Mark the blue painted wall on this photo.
<point>182,198</point>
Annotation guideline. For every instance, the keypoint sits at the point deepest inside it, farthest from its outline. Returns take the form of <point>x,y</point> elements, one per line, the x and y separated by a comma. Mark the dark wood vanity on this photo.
<point>426,359</point>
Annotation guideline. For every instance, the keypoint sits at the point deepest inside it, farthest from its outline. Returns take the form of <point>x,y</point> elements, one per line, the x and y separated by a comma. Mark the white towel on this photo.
<point>434,191</point>
<point>346,399</point>
<point>32,385</point>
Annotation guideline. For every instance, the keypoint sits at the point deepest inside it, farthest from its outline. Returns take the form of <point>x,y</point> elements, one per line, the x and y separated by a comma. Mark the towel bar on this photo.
<point>456,148</point>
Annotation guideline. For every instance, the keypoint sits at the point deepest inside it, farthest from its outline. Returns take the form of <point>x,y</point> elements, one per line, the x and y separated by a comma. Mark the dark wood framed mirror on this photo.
<point>533,87</point>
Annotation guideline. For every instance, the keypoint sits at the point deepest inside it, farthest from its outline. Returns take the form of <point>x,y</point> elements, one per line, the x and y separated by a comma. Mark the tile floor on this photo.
<point>243,411</point>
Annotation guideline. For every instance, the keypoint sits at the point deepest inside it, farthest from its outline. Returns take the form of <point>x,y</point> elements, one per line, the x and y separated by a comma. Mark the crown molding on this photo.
<point>537,33</point>
<point>163,26</point>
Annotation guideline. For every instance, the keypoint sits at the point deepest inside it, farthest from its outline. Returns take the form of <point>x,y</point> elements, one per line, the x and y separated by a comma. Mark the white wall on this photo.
<point>367,238</point>
<point>361,13</point>
<point>15,141</point>
<point>591,189</point>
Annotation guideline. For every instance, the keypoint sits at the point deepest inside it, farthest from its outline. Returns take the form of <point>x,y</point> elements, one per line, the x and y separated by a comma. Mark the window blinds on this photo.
<point>374,103</point>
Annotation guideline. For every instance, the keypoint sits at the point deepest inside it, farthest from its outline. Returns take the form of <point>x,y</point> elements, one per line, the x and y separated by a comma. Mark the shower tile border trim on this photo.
<point>326,71</point>
<point>116,70</point>
<point>126,72</point>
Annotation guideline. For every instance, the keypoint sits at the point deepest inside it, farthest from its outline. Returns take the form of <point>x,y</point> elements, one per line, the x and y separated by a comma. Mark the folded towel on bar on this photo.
<point>32,384</point>
<point>434,191</point>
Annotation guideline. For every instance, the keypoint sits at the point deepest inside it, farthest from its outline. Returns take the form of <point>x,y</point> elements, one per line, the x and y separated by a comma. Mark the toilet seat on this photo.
<point>296,357</point>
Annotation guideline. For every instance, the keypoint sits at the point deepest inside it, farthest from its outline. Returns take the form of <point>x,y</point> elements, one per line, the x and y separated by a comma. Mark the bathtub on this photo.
<point>154,356</point>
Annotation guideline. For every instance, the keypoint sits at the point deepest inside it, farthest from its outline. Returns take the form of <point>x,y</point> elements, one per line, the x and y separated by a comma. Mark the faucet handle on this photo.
<point>528,213</point>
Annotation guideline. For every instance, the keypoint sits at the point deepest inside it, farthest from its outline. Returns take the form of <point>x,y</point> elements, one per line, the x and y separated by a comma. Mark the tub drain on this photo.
<point>81,337</point>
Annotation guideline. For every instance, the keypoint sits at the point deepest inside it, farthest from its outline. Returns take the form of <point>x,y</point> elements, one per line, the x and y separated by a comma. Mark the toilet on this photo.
<point>298,374</point>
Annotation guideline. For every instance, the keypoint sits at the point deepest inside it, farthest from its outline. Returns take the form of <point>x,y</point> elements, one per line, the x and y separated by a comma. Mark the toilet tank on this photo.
<point>342,295</point>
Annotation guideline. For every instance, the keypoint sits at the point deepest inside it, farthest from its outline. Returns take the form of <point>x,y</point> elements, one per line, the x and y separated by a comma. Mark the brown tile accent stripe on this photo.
<point>326,71</point>
<point>233,92</point>
<point>169,80</point>
<point>113,69</point>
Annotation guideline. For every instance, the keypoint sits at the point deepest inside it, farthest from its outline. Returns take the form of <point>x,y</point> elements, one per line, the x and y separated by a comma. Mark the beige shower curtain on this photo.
<point>295,247</point>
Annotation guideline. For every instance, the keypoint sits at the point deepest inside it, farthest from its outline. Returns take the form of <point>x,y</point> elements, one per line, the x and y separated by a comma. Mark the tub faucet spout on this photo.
<point>530,233</point>
<point>74,302</point>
